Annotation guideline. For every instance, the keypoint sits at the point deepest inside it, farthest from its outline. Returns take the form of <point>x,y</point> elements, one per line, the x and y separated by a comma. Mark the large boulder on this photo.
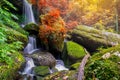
<point>43,59</point>
<point>75,51</point>
<point>92,38</point>
<point>72,53</point>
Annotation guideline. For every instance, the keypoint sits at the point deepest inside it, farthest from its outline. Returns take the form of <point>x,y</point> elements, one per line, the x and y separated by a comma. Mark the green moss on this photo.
<point>83,34</point>
<point>75,66</point>
<point>42,70</point>
<point>103,51</point>
<point>31,27</point>
<point>75,50</point>
<point>88,29</point>
<point>104,69</point>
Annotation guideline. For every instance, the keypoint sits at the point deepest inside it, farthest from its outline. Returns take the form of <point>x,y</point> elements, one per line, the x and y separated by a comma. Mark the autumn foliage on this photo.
<point>52,29</point>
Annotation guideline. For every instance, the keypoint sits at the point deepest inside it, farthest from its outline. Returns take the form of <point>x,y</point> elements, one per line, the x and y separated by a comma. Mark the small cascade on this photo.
<point>31,45</point>
<point>28,70</point>
<point>60,65</point>
<point>29,66</point>
<point>28,12</point>
<point>29,49</point>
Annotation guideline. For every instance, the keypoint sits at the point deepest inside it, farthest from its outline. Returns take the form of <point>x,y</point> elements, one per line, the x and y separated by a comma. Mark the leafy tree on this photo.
<point>52,30</point>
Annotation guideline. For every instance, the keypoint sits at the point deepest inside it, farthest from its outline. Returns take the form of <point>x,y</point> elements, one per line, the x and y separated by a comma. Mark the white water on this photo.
<point>31,45</point>
<point>29,49</point>
<point>29,65</point>
<point>28,13</point>
<point>28,70</point>
<point>60,65</point>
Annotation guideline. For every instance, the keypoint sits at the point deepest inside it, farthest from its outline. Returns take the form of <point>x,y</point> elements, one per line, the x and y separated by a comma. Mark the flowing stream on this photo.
<point>29,49</point>
<point>32,46</point>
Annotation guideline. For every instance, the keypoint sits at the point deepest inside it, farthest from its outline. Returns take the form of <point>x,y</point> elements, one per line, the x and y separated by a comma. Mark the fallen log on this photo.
<point>82,65</point>
<point>92,38</point>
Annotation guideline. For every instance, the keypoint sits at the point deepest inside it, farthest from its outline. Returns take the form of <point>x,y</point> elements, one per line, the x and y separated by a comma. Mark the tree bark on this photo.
<point>82,65</point>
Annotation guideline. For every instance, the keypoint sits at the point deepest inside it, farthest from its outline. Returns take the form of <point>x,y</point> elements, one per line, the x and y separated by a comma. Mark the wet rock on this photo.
<point>43,59</point>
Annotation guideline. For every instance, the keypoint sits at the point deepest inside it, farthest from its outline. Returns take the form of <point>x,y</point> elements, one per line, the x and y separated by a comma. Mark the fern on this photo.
<point>5,4</point>
<point>7,18</point>
<point>2,35</point>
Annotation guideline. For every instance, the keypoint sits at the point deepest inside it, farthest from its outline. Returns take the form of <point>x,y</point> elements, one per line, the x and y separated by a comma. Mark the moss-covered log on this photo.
<point>92,38</point>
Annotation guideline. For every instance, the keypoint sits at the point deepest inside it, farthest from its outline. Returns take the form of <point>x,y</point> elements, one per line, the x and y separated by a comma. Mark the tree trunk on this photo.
<point>82,65</point>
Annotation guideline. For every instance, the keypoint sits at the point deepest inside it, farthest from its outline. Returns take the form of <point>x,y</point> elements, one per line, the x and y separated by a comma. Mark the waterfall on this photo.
<point>29,66</point>
<point>28,12</point>
<point>29,49</point>
<point>28,70</point>
<point>31,45</point>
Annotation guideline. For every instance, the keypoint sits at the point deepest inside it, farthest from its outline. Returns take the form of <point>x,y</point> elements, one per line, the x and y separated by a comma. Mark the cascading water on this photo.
<point>28,13</point>
<point>31,45</point>
<point>60,65</point>
<point>28,70</point>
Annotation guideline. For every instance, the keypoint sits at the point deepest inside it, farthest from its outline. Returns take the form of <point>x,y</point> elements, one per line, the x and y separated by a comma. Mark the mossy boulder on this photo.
<point>75,51</point>
<point>104,65</point>
<point>43,59</point>
<point>62,75</point>
<point>41,70</point>
<point>32,28</point>
<point>72,53</point>
<point>92,38</point>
